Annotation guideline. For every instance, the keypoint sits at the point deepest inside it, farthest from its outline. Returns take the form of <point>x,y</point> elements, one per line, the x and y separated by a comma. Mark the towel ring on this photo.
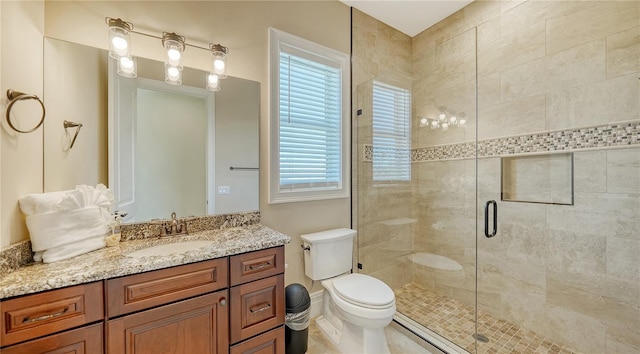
<point>15,96</point>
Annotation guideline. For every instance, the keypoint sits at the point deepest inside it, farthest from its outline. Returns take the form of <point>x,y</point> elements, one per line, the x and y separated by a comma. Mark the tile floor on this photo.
<point>455,321</point>
<point>399,343</point>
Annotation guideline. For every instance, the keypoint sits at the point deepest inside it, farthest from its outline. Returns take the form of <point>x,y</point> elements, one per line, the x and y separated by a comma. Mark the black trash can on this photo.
<point>297,318</point>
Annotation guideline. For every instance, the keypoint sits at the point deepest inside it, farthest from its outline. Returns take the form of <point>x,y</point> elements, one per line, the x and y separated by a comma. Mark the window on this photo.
<point>309,134</point>
<point>391,133</point>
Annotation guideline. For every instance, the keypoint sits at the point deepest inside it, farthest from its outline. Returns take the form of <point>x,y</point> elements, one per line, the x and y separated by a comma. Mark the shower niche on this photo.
<point>540,178</point>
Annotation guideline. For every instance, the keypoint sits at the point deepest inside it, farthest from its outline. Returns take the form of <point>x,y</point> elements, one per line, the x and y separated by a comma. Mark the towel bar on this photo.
<point>15,96</point>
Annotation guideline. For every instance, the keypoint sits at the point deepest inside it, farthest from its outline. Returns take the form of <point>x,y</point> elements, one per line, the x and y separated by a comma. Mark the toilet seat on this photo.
<point>364,291</point>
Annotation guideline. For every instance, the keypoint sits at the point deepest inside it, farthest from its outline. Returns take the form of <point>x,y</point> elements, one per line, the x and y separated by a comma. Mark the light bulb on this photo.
<point>173,75</point>
<point>127,67</point>
<point>445,126</point>
<point>174,54</point>
<point>453,120</point>
<point>462,122</point>
<point>120,43</point>
<point>126,64</point>
<point>435,124</point>
<point>442,116</point>
<point>423,122</point>
<point>218,64</point>
<point>213,82</point>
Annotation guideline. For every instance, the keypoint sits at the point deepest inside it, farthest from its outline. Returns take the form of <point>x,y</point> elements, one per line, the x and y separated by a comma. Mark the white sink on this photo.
<point>169,248</point>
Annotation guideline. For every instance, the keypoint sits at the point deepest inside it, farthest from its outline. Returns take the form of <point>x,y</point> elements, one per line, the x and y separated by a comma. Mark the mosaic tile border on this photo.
<point>144,230</point>
<point>610,135</point>
<point>15,256</point>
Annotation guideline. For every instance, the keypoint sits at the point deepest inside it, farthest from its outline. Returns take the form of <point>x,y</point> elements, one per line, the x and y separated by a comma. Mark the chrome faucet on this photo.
<point>173,227</point>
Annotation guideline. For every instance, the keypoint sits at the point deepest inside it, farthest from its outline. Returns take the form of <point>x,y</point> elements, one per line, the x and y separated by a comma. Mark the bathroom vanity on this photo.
<point>232,303</point>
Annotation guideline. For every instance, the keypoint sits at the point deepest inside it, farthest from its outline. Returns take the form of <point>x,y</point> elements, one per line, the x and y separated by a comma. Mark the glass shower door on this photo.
<point>559,161</point>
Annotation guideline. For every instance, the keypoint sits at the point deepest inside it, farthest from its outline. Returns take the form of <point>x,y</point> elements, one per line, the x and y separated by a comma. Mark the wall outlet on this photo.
<point>224,190</point>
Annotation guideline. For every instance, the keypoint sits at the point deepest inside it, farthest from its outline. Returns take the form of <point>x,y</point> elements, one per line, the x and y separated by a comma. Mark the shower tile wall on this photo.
<point>571,273</point>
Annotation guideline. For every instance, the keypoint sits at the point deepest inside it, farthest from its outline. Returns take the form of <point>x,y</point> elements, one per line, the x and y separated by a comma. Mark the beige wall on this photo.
<point>240,25</point>
<point>21,154</point>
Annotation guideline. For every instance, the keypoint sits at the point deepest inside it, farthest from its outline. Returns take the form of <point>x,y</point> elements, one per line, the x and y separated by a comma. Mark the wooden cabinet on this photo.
<point>194,308</point>
<point>198,325</point>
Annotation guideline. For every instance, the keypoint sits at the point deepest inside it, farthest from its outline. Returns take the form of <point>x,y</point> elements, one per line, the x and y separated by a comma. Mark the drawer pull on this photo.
<point>260,307</point>
<point>259,266</point>
<point>223,301</point>
<point>45,317</point>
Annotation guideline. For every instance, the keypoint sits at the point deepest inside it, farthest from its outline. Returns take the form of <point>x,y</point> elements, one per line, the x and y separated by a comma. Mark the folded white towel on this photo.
<point>73,249</point>
<point>41,203</point>
<point>68,223</point>
<point>58,228</point>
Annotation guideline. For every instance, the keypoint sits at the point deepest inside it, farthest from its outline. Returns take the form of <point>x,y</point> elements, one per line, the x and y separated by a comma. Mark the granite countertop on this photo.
<point>112,262</point>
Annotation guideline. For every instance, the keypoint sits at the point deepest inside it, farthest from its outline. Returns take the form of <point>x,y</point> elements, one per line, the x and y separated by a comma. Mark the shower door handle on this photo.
<point>494,229</point>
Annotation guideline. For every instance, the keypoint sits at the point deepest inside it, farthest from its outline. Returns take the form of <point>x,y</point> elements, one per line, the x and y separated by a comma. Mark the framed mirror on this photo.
<point>159,148</point>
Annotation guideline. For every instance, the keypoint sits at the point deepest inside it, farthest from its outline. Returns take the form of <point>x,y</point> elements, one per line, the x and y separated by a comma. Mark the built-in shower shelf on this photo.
<point>541,178</point>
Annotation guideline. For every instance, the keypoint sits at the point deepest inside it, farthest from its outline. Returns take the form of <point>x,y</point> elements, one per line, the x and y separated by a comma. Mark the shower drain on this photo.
<point>481,338</point>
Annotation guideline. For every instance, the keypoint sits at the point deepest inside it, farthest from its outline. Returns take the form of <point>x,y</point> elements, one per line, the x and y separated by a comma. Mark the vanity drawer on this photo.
<point>256,307</point>
<point>37,315</point>
<point>85,340</point>
<point>270,342</point>
<point>141,291</point>
<point>256,265</point>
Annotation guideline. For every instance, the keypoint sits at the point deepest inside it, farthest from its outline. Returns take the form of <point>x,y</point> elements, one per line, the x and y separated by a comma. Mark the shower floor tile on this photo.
<point>456,322</point>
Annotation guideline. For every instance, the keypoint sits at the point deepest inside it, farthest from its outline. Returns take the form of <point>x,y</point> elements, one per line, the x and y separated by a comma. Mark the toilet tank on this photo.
<point>328,253</point>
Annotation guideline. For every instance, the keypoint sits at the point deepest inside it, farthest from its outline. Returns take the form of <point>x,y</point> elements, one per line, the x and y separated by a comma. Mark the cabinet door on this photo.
<point>86,340</point>
<point>198,325</point>
<point>256,307</point>
<point>270,342</point>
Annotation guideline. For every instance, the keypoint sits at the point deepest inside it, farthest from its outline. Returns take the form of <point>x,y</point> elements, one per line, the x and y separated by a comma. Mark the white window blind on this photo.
<point>391,133</point>
<point>309,120</point>
<point>310,123</point>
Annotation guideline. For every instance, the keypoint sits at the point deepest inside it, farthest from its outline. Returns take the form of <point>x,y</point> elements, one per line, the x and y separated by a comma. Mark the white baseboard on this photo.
<point>316,303</point>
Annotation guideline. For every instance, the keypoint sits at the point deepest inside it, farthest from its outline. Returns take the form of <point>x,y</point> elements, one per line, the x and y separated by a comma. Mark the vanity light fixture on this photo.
<point>174,45</point>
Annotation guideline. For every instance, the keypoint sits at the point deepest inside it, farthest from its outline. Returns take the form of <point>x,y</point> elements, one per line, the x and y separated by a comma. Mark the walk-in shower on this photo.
<point>519,119</point>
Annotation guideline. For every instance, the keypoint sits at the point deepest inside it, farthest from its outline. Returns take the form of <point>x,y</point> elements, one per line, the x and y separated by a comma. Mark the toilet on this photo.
<point>356,307</point>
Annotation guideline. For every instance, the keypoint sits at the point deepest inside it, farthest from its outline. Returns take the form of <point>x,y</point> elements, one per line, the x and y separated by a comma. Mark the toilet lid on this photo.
<point>363,289</point>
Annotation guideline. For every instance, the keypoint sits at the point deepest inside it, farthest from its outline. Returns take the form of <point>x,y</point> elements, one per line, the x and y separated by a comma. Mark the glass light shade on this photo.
<point>174,50</point>
<point>128,67</point>
<point>424,122</point>
<point>173,75</point>
<point>213,82</point>
<point>435,124</point>
<point>453,120</point>
<point>119,42</point>
<point>220,64</point>
<point>445,126</point>
<point>462,122</point>
<point>442,117</point>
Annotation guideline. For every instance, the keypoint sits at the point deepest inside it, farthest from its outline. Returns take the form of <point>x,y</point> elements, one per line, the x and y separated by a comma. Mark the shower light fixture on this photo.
<point>174,45</point>
<point>445,120</point>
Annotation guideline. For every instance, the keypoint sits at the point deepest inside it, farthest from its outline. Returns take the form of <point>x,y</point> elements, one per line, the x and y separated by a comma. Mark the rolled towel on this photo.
<point>73,249</point>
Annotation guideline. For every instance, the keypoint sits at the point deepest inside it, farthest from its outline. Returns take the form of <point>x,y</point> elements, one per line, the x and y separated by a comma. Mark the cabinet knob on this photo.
<point>223,301</point>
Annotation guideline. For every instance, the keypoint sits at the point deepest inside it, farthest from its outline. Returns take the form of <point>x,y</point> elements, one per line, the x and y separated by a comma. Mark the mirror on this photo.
<point>159,148</point>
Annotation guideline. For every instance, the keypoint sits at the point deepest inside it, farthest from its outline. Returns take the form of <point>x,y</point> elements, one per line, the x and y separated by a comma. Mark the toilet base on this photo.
<point>352,339</point>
